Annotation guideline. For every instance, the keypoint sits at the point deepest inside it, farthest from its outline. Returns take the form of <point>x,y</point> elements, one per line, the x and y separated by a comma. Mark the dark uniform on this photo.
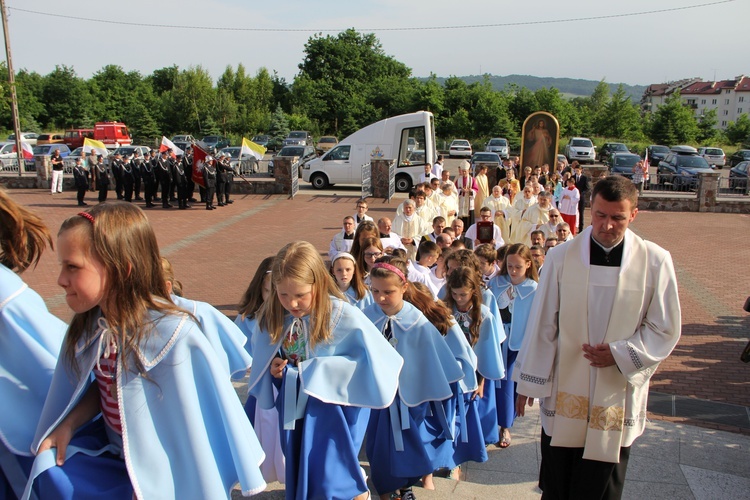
<point>128,180</point>
<point>187,164</point>
<point>148,174</point>
<point>164,175</point>
<point>136,163</point>
<point>179,179</point>
<point>101,179</point>
<point>221,180</point>
<point>209,180</point>
<point>116,167</point>
<point>81,181</point>
<point>228,172</point>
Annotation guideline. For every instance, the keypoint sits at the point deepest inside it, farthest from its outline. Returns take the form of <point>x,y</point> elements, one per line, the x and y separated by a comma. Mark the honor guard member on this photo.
<point>209,180</point>
<point>136,163</point>
<point>221,179</point>
<point>179,178</point>
<point>116,167</point>
<point>226,169</point>
<point>81,181</point>
<point>164,176</point>
<point>187,163</point>
<point>172,187</point>
<point>128,180</point>
<point>148,174</point>
<point>101,178</point>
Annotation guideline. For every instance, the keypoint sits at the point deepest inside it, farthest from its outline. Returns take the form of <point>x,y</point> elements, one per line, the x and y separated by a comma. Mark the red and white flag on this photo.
<point>167,144</point>
<point>199,158</point>
<point>28,152</point>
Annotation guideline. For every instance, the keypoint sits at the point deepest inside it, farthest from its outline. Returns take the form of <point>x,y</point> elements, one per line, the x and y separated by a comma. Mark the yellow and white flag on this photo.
<point>250,148</point>
<point>98,147</point>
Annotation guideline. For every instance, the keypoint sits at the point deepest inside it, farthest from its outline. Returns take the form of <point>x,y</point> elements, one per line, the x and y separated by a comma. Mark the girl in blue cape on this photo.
<point>265,420</point>
<point>514,289</point>
<point>30,340</point>
<point>480,329</point>
<point>439,444</point>
<point>171,425</point>
<point>351,283</point>
<point>395,444</point>
<point>330,365</point>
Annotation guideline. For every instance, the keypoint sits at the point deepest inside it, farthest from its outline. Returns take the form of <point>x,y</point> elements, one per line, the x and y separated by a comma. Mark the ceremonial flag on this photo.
<point>252,149</point>
<point>28,152</point>
<point>645,162</point>
<point>199,157</point>
<point>98,147</point>
<point>167,144</point>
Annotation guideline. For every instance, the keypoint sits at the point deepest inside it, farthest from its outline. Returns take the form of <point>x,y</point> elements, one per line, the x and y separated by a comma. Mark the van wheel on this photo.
<point>403,183</point>
<point>319,181</point>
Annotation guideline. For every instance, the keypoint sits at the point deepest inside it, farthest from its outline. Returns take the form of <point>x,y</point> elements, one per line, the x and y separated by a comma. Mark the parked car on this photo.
<point>304,153</point>
<point>326,143</point>
<point>261,140</point>
<point>298,138</point>
<point>411,144</point>
<point>274,144</point>
<point>739,156</point>
<point>563,159</point>
<point>215,142</point>
<point>622,163</point>
<point>49,139</point>
<point>48,149</point>
<point>7,150</point>
<point>183,138</point>
<point>580,149</point>
<point>234,154</point>
<point>29,137</point>
<point>681,168</point>
<point>74,138</point>
<point>656,153</point>
<point>492,160</point>
<point>611,147</point>
<point>738,176</point>
<point>714,156</point>
<point>126,151</point>
<point>498,145</point>
<point>460,147</point>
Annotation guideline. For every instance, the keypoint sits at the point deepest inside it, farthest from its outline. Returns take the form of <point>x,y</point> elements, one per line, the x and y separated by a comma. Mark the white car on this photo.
<point>29,137</point>
<point>580,149</point>
<point>714,156</point>
<point>460,147</point>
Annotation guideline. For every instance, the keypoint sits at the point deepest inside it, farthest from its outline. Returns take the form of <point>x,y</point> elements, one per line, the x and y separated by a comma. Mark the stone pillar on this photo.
<point>43,171</point>
<point>708,188</point>
<point>380,179</point>
<point>282,168</point>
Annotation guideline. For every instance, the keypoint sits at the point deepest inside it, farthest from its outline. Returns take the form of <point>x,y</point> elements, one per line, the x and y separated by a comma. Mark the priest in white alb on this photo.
<point>606,313</point>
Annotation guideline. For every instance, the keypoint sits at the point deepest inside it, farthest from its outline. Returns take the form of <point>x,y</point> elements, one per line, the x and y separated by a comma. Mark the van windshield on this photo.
<point>411,137</point>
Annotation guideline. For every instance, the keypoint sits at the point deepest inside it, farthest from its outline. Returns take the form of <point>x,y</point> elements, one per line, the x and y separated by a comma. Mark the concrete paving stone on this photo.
<point>719,456</point>
<point>638,490</point>
<point>653,470</point>
<point>520,457</point>
<point>507,484</point>
<point>656,443</point>
<point>710,485</point>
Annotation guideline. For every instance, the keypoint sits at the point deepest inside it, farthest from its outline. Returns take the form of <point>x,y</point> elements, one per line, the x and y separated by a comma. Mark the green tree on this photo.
<point>68,102</point>
<point>189,104</point>
<point>597,105</point>
<point>673,123</point>
<point>707,126</point>
<point>738,132</point>
<point>30,92</point>
<point>620,118</point>
<point>279,126</point>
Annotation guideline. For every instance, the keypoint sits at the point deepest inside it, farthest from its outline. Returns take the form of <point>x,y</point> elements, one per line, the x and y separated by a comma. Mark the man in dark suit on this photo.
<point>583,185</point>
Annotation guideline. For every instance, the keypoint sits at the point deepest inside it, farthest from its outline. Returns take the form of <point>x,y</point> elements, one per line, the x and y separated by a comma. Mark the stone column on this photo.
<point>380,177</point>
<point>43,171</point>
<point>708,188</point>
<point>282,168</point>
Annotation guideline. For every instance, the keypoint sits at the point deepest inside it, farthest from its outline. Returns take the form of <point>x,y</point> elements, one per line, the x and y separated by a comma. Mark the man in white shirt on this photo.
<point>427,175</point>
<point>437,168</point>
<point>485,215</point>
<point>342,241</point>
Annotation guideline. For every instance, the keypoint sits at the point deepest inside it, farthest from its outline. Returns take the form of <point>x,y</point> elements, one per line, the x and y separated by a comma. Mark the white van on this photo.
<point>393,138</point>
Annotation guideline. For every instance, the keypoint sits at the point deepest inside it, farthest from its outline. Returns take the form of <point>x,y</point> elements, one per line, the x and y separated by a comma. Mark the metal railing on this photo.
<point>733,186</point>
<point>10,165</point>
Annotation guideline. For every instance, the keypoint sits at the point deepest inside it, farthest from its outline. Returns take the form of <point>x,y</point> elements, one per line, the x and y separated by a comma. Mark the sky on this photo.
<point>641,49</point>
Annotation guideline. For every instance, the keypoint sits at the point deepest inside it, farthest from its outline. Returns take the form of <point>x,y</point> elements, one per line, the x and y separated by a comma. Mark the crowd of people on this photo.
<point>154,177</point>
<point>422,339</point>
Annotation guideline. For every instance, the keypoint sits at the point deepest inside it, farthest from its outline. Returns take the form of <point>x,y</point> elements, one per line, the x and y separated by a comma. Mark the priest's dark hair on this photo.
<point>616,188</point>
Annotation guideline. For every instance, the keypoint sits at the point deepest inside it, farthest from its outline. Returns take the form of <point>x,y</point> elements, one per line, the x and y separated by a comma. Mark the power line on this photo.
<point>413,28</point>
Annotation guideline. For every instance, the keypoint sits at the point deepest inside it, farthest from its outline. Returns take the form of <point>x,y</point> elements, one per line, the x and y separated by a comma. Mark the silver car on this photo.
<point>497,145</point>
<point>714,156</point>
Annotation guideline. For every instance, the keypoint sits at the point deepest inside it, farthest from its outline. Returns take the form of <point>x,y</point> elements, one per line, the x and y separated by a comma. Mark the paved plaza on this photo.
<point>703,383</point>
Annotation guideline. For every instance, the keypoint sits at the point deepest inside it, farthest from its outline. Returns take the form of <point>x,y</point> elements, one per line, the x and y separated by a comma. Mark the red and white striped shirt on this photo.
<point>105,373</point>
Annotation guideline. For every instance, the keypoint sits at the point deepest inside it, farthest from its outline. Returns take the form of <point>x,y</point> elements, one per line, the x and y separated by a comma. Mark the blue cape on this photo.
<point>465,356</point>
<point>247,326</point>
<point>185,433</point>
<point>356,367</point>
<point>488,347</point>
<point>521,306</point>
<point>30,341</point>
<point>225,337</point>
<point>362,303</point>
<point>430,367</point>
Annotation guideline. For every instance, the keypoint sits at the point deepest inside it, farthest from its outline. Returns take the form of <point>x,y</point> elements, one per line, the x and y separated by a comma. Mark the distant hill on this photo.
<point>569,86</point>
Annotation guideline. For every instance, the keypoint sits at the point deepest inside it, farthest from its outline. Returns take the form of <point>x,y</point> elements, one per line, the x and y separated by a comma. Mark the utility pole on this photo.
<point>13,96</point>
